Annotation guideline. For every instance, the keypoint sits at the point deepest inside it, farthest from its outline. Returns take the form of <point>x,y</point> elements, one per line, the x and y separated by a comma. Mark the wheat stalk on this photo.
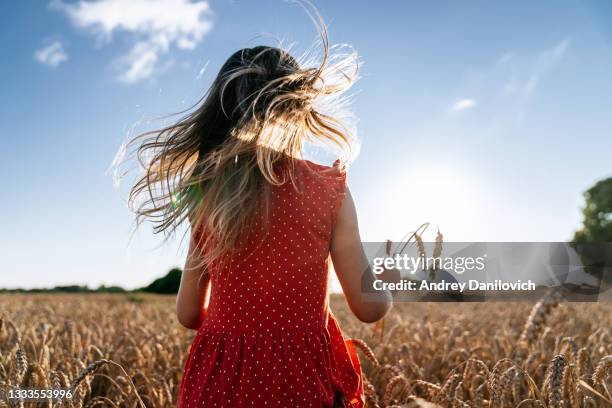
<point>603,370</point>
<point>538,316</point>
<point>555,381</point>
<point>367,351</point>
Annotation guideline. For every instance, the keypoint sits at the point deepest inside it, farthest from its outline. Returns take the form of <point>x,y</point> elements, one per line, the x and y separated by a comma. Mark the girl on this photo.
<point>264,223</point>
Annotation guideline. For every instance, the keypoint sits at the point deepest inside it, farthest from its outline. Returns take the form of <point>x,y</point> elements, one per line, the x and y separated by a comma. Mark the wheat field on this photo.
<point>128,351</point>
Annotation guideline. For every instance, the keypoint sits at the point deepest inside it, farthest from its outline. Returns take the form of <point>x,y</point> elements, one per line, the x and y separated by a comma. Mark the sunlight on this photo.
<point>445,196</point>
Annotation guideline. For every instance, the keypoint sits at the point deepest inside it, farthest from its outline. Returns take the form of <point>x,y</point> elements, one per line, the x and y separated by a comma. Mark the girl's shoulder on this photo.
<point>331,178</point>
<point>309,174</point>
<point>335,170</point>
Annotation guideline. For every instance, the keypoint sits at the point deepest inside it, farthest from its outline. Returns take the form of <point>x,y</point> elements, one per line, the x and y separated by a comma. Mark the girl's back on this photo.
<point>268,336</point>
<point>279,281</point>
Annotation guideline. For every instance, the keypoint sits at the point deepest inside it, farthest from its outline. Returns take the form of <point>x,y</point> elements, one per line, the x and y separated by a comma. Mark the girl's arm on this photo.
<point>351,266</point>
<point>194,291</point>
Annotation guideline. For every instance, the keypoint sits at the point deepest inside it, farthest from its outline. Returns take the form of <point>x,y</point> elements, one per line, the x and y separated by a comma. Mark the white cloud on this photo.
<point>544,62</point>
<point>463,104</point>
<point>52,54</point>
<point>156,25</point>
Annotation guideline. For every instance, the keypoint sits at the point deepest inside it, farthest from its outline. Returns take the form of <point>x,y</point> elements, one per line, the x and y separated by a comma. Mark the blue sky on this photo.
<point>489,120</point>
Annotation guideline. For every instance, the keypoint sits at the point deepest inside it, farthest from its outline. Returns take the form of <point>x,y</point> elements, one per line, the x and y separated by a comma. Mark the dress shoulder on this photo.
<point>334,180</point>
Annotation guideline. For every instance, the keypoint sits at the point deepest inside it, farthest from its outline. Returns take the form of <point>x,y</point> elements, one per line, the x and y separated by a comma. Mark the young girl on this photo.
<point>264,223</point>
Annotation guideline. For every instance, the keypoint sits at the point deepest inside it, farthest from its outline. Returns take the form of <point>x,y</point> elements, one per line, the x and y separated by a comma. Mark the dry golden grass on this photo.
<point>425,355</point>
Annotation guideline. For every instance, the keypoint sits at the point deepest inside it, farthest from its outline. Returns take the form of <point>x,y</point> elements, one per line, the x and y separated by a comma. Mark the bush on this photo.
<point>168,284</point>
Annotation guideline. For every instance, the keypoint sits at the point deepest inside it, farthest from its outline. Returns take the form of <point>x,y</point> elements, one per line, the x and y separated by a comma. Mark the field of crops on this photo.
<point>128,351</point>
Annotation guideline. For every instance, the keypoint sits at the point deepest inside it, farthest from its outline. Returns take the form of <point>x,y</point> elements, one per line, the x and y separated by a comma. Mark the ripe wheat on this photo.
<point>119,351</point>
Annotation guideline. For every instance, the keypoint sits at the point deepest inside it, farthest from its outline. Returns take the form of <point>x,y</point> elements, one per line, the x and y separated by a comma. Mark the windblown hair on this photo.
<point>215,165</point>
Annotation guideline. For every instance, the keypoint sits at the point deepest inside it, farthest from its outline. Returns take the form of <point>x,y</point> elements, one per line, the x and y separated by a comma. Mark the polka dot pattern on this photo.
<point>269,338</point>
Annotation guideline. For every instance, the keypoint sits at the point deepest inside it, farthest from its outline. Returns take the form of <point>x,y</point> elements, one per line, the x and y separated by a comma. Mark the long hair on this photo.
<point>215,165</point>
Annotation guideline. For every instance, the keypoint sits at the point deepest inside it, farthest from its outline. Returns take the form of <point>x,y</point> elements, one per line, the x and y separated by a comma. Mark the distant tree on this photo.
<point>110,289</point>
<point>597,222</point>
<point>167,284</point>
<point>71,289</point>
<point>594,239</point>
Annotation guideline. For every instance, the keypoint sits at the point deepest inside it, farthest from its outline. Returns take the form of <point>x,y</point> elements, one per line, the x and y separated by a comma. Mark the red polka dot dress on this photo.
<point>268,338</point>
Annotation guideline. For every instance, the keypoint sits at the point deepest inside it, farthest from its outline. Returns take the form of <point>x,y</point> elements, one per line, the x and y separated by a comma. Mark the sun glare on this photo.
<point>442,195</point>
